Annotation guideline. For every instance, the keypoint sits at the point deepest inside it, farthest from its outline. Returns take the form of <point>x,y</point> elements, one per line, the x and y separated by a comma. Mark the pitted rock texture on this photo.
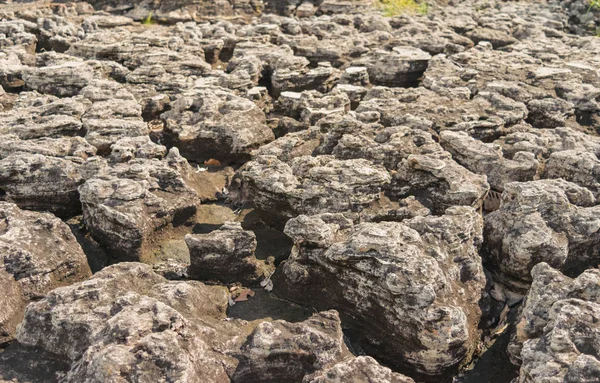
<point>126,319</point>
<point>126,204</point>
<point>552,221</point>
<point>312,185</point>
<point>38,253</point>
<point>393,134</point>
<point>399,282</point>
<point>215,123</point>
<point>558,328</point>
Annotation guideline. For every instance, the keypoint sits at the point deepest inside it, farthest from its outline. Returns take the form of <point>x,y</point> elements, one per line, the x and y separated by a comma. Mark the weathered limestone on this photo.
<point>557,329</point>
<point>552,221</point>
<point>38,253</point>
<point>226,255</point>
<point>401,295</point>
<point>214,123</point>
<point>127,204</point>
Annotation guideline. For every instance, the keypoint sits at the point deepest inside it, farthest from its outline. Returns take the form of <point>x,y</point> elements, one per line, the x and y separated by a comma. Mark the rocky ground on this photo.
<point>299,191</point>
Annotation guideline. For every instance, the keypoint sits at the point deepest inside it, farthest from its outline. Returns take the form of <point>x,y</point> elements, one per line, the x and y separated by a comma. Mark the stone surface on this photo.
<point>127,204</point>
<point>226,255</point>
<point>557,328</point>
<point>552,221</point>
<point>214,123</point>
<point>402,295</point>
<point>37,254</point>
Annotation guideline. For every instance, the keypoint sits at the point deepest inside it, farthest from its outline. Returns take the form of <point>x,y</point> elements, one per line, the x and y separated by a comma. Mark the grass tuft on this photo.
<point>148,20</point>
<point>391,8</point>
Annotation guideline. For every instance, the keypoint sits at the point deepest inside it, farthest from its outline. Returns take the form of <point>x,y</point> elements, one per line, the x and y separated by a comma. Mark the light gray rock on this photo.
<point>127,318</point>
<point>61,80</point>
<point>402,66</point>
<point>438,182</point>
<point>414,307</point>
<point>126,204</point>
<point>214,123</point>
<point>489,160</point>
<point>362,369</point>
<point>557,329</point>
<point>312,185</point>
<point>552,221</point>
<point>38,253</point>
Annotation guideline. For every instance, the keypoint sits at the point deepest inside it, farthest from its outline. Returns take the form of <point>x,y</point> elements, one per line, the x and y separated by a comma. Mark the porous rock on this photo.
<point>552,221</point>
<point>38,253</point>
<point>557,329</point>
<point>416,307</point>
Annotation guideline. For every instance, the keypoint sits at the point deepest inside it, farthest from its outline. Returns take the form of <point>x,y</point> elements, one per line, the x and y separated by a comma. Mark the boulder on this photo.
<point>38,253</point>
<point>552,221</point>
<point>312,185</point>
<point>214,123</point>
<point>126,204</point>
<point>409,290</point>
<point>226,255</point>
<point>557,329</point>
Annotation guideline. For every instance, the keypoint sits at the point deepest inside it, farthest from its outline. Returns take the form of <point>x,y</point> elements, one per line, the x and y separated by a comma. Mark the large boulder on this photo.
<point>312,185</point>
<point>215,123</point>
<point>127,319</point>
<point>38,253</point>
<point>126,204</point>
<point>410,289</point>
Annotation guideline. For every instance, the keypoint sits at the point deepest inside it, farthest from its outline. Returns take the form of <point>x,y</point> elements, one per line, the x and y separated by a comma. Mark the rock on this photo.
<point>362,369</point>
<point>497,38</point>
<point>550,221</point>
<point>128,148</point>
<point>127,204</point>
<point>401,67</point>
<point>280,351</point>
<point>405,318</point>
<point>114,114</point>
<point>488,159</point>
<point>226,255</point>
<point>12,307</point>
<point>44,174</point>
<point>127,318</point>
<point>312,185</point>
<point>557,328</point>
<point>38,253</point>
<point>61,80</point>
<point>582,168</point>
<point>438,182</point>
<point>214,123</point>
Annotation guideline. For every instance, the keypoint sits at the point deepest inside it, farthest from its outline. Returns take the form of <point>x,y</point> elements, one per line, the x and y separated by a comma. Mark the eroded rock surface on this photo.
<point>552,221</point>
<point>38,253</point>
<point>399,292</point>
<point>226,255</point>
<point>557,328</point>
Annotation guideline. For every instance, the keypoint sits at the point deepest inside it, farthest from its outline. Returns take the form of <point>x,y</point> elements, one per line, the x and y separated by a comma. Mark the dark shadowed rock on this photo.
<point>226,255</point>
